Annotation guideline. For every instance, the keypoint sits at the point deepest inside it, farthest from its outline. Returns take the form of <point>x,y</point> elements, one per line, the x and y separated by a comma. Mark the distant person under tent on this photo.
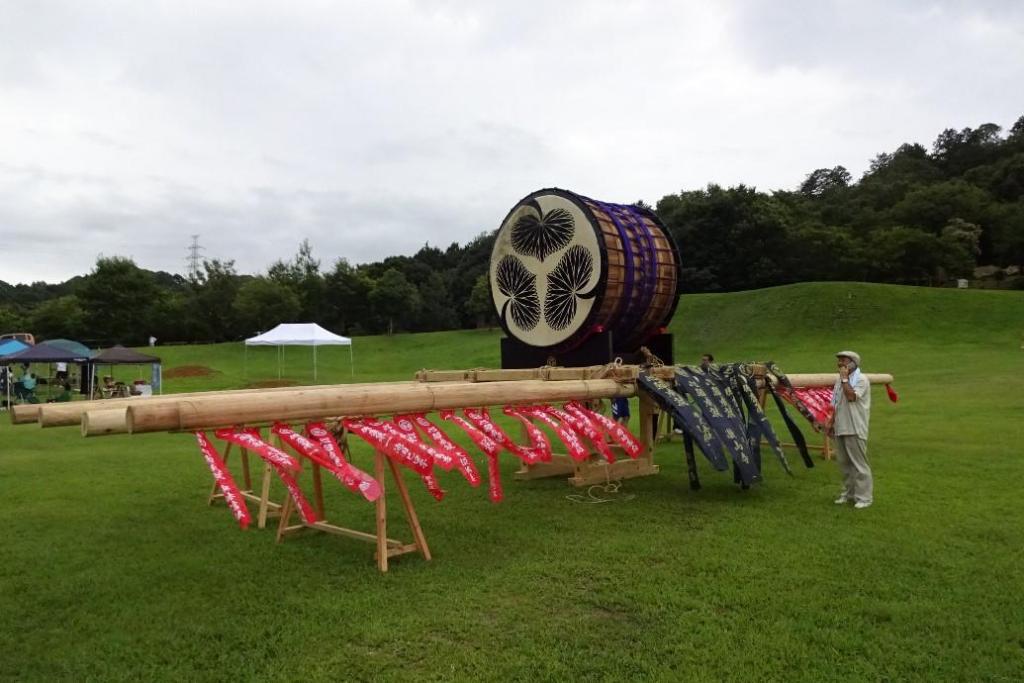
<point>28,381</point>
<point>64,396</point>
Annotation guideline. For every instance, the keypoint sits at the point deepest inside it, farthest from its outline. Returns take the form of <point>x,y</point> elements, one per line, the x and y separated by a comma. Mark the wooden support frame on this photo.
<point>760,374</point>
<point>386,547</point>
<point>666,428</point>
<point>595,469</point>
<point>267,508</point>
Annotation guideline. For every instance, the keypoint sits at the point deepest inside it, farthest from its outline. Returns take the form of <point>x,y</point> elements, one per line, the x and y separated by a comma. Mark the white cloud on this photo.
<point>374,128</point>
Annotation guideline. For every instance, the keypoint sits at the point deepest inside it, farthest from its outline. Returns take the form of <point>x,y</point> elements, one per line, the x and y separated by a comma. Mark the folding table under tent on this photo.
<point>120,355</point>
<point>301,334</point>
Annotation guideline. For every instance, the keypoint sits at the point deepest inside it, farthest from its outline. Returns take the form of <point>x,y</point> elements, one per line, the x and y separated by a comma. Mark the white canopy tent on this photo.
<point>301,334</point>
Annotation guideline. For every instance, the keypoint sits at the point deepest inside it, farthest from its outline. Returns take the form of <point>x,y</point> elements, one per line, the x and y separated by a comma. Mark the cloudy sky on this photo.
<point>372,128</point>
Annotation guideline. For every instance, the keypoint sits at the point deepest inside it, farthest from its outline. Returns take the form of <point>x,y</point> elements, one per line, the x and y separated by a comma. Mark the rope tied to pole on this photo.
<point>650,359</point>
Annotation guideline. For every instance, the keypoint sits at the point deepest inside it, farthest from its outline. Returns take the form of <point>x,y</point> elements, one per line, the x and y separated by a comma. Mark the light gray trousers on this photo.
<point>852,458</point>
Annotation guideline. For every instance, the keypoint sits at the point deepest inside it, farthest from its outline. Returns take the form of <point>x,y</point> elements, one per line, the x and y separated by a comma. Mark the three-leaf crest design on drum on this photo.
<point>520,286</point>
<point>541,234</point>
<point>565,285</point>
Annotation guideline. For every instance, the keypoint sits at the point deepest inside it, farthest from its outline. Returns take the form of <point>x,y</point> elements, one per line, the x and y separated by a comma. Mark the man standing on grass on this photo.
<point>851,400</point>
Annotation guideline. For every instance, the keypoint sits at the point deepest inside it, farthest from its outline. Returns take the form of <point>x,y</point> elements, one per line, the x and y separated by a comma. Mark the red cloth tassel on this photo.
<point>354,478</point>
<point>893,396</point>
<point>489,446</point>
<point>225,482</point>
<point>285,465</point>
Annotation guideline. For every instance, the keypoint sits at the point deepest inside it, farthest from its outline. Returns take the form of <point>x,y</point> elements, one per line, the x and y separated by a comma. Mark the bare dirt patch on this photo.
<point>189,371</point>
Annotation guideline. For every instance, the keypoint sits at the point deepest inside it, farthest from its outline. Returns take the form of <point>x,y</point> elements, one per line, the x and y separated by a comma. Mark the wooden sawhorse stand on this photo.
<point>760,374</point>
<point>267,508</point>
<point>386,547</point>
<point>596,470</point>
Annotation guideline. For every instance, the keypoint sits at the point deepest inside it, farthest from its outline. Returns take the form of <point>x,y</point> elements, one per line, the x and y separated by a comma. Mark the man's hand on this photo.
<point>844,372</point>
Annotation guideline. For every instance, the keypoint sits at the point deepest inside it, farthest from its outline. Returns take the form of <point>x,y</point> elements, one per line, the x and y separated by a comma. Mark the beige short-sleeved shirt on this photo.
<point>852,418</point>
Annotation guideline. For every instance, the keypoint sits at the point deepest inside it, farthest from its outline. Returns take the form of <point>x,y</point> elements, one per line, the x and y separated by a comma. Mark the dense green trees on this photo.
<point>917,216</point>
<point>118,297</point>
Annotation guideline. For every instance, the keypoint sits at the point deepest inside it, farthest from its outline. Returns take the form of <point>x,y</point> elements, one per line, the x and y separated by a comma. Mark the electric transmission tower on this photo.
<point>193,259</point>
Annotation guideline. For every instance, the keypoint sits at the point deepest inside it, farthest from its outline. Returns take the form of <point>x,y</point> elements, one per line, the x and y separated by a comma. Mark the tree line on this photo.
<point>916,216</point>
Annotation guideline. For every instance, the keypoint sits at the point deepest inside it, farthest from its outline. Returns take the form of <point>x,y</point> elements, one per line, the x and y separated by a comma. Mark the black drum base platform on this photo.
<point>599,349</point>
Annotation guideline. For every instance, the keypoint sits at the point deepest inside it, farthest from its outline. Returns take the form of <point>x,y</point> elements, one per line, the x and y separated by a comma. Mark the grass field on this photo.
<point>112,567</point>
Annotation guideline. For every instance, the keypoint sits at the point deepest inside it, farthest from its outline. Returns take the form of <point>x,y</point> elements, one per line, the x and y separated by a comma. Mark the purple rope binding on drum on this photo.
<point>626,247</point>
<point>632,314</point>
<point>650,282</point>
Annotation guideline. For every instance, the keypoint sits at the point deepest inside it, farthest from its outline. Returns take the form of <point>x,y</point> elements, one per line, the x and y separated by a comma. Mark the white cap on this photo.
<point>853,355</point>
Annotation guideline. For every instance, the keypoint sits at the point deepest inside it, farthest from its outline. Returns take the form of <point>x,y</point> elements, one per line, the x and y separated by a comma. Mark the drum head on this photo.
<point>546,268</point>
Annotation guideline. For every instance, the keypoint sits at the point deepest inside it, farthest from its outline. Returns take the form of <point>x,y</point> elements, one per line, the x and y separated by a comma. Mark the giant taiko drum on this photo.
<point>565,267</point>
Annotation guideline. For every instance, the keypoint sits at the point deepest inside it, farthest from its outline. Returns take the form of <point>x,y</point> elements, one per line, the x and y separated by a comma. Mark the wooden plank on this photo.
<point>512,375</point>
<point>246,473</point>
<point>329,528</point>
<point>403,549</point>
<point>648,410</point>
<point>599,473</point>
<point>381,515</point>
<point>410,511</point>
<point>559,465</point>
<point>286,516</point>
<point>261,518</point>
<point>273,509</point>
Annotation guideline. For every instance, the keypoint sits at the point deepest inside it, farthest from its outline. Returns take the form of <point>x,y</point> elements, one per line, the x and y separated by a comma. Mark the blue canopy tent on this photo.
<point>43,353</point>
<point>11,346</point>
<point>70,345</point>
<point>8,347</point>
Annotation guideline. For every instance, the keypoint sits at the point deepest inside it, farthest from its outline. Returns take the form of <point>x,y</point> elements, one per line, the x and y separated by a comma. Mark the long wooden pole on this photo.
<point>627,372</point>
<point>357,400</point>
<point>827,379</point>
<point>105,422</point>
<point>68,414</point>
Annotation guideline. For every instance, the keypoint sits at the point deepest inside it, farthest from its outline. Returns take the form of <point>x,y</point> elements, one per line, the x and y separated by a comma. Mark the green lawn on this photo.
<point>113,567</point>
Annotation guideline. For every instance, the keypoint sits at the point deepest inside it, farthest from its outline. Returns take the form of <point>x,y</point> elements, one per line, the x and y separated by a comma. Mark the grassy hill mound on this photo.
<point>813,313</point>
<point>799,326</point>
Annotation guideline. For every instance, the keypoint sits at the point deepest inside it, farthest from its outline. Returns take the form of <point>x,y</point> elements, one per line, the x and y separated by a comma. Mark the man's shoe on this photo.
<point>861,504</point>
<point>841,500</point>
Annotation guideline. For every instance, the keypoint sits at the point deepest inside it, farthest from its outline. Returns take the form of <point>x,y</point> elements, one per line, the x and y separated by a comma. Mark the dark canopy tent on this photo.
<point>43,353</point>
<point>120,355</point>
